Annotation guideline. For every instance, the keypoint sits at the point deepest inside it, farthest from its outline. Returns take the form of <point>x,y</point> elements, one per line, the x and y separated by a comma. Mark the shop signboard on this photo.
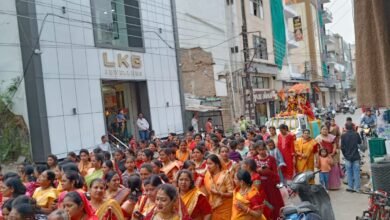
<point>121,64</point>
<point>263,95</point>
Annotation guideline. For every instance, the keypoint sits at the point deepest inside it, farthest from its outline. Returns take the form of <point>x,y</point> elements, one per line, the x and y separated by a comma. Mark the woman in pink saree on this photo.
<point>327,141</point>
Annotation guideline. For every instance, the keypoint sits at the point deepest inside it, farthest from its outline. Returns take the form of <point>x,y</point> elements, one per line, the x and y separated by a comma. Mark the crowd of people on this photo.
<point>193,177</point>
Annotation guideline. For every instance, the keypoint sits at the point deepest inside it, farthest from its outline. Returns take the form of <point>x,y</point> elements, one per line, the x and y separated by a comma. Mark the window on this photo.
<point>117,23</point>
<point>229,2</point>
<point>260,82</point>
<point>256,7</point>
<point>260,47</point>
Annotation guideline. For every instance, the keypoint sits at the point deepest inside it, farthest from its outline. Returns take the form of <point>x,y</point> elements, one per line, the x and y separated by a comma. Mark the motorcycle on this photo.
<point>352,109</point>
<point>367,131</point>
<point>345,108</point>
<point>315,203</point>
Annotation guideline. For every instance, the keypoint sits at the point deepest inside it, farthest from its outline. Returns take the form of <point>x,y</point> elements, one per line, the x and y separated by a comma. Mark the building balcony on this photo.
<point>327,16</point>
<point>291,41</point>
<point>330,39</point>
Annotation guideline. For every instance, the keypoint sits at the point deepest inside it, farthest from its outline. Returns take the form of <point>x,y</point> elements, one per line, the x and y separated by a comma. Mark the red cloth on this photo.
<point>269,179</point>
<point>202,207</point>
<point>209,127</point>
<point>138,164</point>
<point>191,145</point>
<point>286,147</point>
<point>87,207</point>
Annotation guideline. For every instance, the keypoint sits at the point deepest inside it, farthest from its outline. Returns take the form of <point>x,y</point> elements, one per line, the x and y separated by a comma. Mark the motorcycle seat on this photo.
<point>303,207</point>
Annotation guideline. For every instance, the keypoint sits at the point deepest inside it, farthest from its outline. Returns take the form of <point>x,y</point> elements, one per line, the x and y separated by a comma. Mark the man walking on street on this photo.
<point>350,141</point>
<point>143,127</point>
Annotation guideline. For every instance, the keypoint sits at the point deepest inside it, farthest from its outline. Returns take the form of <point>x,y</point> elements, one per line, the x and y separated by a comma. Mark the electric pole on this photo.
<point>248,86</point>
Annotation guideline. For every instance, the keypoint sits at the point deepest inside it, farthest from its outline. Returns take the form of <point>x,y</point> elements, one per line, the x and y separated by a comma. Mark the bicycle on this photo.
<point>378,208</point>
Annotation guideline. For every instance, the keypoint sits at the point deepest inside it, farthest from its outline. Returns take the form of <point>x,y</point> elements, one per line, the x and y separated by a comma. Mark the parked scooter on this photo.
<point>315,204</point>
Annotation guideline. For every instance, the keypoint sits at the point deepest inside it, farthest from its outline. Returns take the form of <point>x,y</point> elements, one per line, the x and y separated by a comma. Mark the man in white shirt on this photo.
<point>194,122</point>
<point>105,145</point>
<point>143,127</point>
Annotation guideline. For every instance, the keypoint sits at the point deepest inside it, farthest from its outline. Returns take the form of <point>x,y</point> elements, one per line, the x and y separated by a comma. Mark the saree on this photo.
<point>269,180</point>
<point>252,199</point>
<point>170,170</point>
<point>84,167</point>
<point>144,206</point>
<point>44,196</point>
<point>110,210</point>
<point>87,208</point>
<point>231,167</point>
<point>286,147</point>
<point>327,142</point>
<point>180,211</point>
<point>121,195</point>
<point>183,156</point>
<point>308,148</point>
<point>222,206</point>
<point>196,204</point>
<point>94,175</point>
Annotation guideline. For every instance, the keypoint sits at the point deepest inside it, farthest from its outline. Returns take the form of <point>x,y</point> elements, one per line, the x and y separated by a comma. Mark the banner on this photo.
<point>297,23</point>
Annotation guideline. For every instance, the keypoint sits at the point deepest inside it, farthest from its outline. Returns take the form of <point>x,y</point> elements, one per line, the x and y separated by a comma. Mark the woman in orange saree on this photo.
<point>168,205</point>
<point>305,149</point>
<point>183,153</point>
<point>229,165</point>
<point>247,202</point>
<point>170,168</point>
<point>196,202</point>
<point>219,189</point>
<point>85,163</point>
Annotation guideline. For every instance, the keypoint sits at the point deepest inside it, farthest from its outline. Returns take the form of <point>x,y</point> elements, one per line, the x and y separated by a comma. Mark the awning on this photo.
<point>202,108</point>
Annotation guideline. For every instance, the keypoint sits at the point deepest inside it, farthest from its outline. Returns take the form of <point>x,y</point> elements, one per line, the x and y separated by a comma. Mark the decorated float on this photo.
<point>299,114</point>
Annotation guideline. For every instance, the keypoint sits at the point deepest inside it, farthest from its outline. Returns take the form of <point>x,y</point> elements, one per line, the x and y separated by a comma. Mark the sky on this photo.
<point>342,24</point>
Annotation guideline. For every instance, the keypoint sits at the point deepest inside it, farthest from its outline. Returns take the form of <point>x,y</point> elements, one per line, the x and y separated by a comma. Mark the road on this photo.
<point>347,205</point>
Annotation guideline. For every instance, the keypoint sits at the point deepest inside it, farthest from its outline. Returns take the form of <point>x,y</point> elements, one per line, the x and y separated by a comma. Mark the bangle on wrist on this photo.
<point>247,210</point>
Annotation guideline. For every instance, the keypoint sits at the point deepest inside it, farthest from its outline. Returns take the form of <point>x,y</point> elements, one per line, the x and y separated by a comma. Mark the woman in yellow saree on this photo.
<point>247,201</point>
<point>219,188</point>
<point>170,168</point>
<point>305,149</point>
<point>147,202</point>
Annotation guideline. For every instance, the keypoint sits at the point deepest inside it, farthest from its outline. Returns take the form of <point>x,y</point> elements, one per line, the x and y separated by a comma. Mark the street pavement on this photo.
<point>346,205</point>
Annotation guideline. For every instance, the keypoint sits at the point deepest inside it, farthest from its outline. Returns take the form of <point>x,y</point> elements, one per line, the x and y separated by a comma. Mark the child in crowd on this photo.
<point>325,163</point>
<point>233,154</point>
<point>274,151</point>
<point>241,148</point>
<point>130,170</point>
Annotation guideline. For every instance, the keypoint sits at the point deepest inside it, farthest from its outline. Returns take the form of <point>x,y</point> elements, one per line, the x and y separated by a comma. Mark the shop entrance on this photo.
<point>261,113</point>
<point>129,96</point>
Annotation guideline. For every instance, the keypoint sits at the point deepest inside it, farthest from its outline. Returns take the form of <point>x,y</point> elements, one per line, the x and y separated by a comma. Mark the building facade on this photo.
<point>91,59</point>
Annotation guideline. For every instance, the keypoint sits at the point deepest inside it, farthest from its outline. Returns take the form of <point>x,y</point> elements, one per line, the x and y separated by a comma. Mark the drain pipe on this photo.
<point>177,52</point>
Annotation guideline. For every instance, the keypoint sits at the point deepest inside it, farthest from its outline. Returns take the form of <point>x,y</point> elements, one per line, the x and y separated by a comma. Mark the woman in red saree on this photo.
<point>168,205</point>
<point>77,206</point>
<point>71,181</point>
<point>200,165</point>
<point>196,202</point>
<point>286,147</point>
<point>267,168</point>
<point>147,202</point>
<point>327,141</point>
<point>114,190</point>
<point>248,204</point>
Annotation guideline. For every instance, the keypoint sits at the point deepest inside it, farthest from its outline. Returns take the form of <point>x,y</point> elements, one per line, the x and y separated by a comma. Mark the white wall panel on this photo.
<point>57,135</point>
<point>175,93</point>
<point>162,116</point>
<point>72,129</point>
<point>49,60</point>
<point>96,96</point>
<point>99,126</point>
<point>80,63</point>
<point>68,93</point>
<point>53,97</point>
<point>83,96</point>
<point>167,93</point>
<point>62,31</point>
<point>178,119</point>
<point>155,120</point>
<point>65,62</point>
<point>93,63</point>
<point>86,130</point>
<point>152,94</point>
<point>170,119</point>
<point>160,93</point>
<point>77,34</point>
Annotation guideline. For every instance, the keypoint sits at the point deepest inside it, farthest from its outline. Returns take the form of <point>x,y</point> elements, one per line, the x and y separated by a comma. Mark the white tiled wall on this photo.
<point>72,73</point>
